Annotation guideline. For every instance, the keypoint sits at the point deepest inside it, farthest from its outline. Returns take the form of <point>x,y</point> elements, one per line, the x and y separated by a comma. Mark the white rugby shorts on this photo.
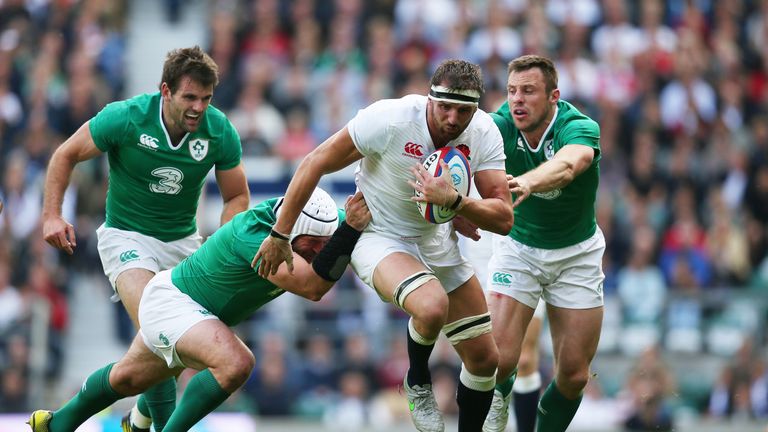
<point>570,277</point>
<point>121,250</point>
<point>165,314</point>
<point>440,254</point>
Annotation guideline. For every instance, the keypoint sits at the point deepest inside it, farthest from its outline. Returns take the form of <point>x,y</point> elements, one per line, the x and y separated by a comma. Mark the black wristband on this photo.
<point>456,203</point>
<point>333,258</point>
<point>278,235</point>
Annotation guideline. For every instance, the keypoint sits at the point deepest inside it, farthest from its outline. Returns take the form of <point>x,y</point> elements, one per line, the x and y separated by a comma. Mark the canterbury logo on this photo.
<point>413,149</point>
<point>502,278</point>
<point>129,255</point>
<point>148,141</point>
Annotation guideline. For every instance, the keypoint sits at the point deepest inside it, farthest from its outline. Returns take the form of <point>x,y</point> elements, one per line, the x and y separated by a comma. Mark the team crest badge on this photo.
<point>198,148</point>
<point>549,149</point>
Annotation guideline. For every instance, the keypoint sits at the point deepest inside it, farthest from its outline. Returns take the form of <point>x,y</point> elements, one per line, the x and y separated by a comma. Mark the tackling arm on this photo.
<point>333,154</point>
<point>313,280</point>
<point>303,281</point>
<point>568,162</point>
<point>79,147</point>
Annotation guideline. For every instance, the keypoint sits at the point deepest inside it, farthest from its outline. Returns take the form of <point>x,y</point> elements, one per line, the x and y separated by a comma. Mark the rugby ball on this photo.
<point>458,166</point>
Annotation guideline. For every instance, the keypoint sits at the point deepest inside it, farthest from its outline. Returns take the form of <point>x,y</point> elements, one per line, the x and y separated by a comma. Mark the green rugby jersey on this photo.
<point>219,276</point>
<point>561,217</point>
<point>154,187</point>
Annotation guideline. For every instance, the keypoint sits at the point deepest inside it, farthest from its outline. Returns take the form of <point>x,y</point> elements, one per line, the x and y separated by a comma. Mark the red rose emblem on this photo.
<point>464,150</point>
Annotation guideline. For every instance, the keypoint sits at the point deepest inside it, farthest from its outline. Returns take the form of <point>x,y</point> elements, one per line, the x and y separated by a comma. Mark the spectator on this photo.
<point>740,389</point>
<point>649,387</point>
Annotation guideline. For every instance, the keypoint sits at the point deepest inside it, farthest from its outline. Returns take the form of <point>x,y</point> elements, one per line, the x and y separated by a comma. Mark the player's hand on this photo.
<point>358,214</point>
<point>519,187</point>
<point>59,233</point>
<point>466,227</point>
<point>273,252</point>
<point>436,190</point>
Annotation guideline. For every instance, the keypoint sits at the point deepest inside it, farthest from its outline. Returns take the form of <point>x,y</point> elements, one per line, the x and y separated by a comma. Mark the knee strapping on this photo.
<point>468,328</point>
<point>409,284</point>
<point>475,382</point>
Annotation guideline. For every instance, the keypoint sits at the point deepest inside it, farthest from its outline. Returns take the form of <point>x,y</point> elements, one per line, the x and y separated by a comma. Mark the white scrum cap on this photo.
<point>319,217</point>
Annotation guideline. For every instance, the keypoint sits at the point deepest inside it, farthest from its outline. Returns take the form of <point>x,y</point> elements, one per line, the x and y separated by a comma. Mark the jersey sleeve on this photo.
<point>109,125</point>
<point>232,150</point>
<point>368,127</point>
<point>582,131</point>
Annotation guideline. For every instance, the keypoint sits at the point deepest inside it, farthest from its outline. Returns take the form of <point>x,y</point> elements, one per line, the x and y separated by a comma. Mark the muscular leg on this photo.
<point>510,320</point>
<point>225,363</point>
<point>528,382</point>
<point>159,401</point>
<point>403,280</point>
<point>136,371</point>
<point>427,307</point>
<point>575,335</point>
<point>478,353</point>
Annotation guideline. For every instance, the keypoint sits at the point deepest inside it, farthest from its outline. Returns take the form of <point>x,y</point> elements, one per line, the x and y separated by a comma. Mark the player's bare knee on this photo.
<point>127,380</point>
<point>574,380</point>
<point>482,361</point>
<point>431,314</point>
<point>236,370</point>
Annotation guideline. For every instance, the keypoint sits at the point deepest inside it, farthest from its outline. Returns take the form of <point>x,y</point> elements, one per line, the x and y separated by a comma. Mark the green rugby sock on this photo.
<point>202,395</point>
<point>141,405</point>
<point>505,387</point>
<point>555,410</point>
<point>95,395</point>
<point>161,401</point>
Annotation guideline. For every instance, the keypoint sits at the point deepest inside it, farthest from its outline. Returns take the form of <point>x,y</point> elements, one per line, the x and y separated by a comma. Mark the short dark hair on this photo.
<point>530,61</point>
<point>460,75</point>
<point>192,62</point>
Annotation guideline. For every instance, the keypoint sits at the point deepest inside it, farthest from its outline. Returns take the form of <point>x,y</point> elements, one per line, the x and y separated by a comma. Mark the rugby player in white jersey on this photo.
<point>408,261</point>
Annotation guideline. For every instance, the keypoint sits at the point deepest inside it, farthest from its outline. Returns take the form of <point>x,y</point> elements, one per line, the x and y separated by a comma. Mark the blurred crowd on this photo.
<point>679,87</point>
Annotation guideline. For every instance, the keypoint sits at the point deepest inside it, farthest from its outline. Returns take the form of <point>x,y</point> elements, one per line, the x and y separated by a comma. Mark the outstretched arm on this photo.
<point>233,186</point>
<point>313,280</point>
<point>335,153</point>
<point>558,172</point>
<point>79,147</point>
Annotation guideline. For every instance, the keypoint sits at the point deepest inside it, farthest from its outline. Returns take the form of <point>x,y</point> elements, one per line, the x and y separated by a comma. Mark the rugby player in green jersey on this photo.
<point>186,312</point>
<point>160,148</point>
<point>555,248</point>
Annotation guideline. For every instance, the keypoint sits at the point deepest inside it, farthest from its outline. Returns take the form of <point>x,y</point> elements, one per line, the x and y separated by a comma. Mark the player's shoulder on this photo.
<point>502,117</point>
<point>569,114</point>
<point>481,120</point>
<point>405,107</point>
<point>215,113</point>
<point>141,104</point>
<point>386,113</point>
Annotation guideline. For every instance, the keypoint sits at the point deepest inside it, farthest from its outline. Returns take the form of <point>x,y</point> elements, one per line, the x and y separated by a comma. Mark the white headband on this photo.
<point>445,94</point>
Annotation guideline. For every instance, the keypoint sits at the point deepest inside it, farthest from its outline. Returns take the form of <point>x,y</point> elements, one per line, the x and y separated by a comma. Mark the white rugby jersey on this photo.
<point>392,135</point>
